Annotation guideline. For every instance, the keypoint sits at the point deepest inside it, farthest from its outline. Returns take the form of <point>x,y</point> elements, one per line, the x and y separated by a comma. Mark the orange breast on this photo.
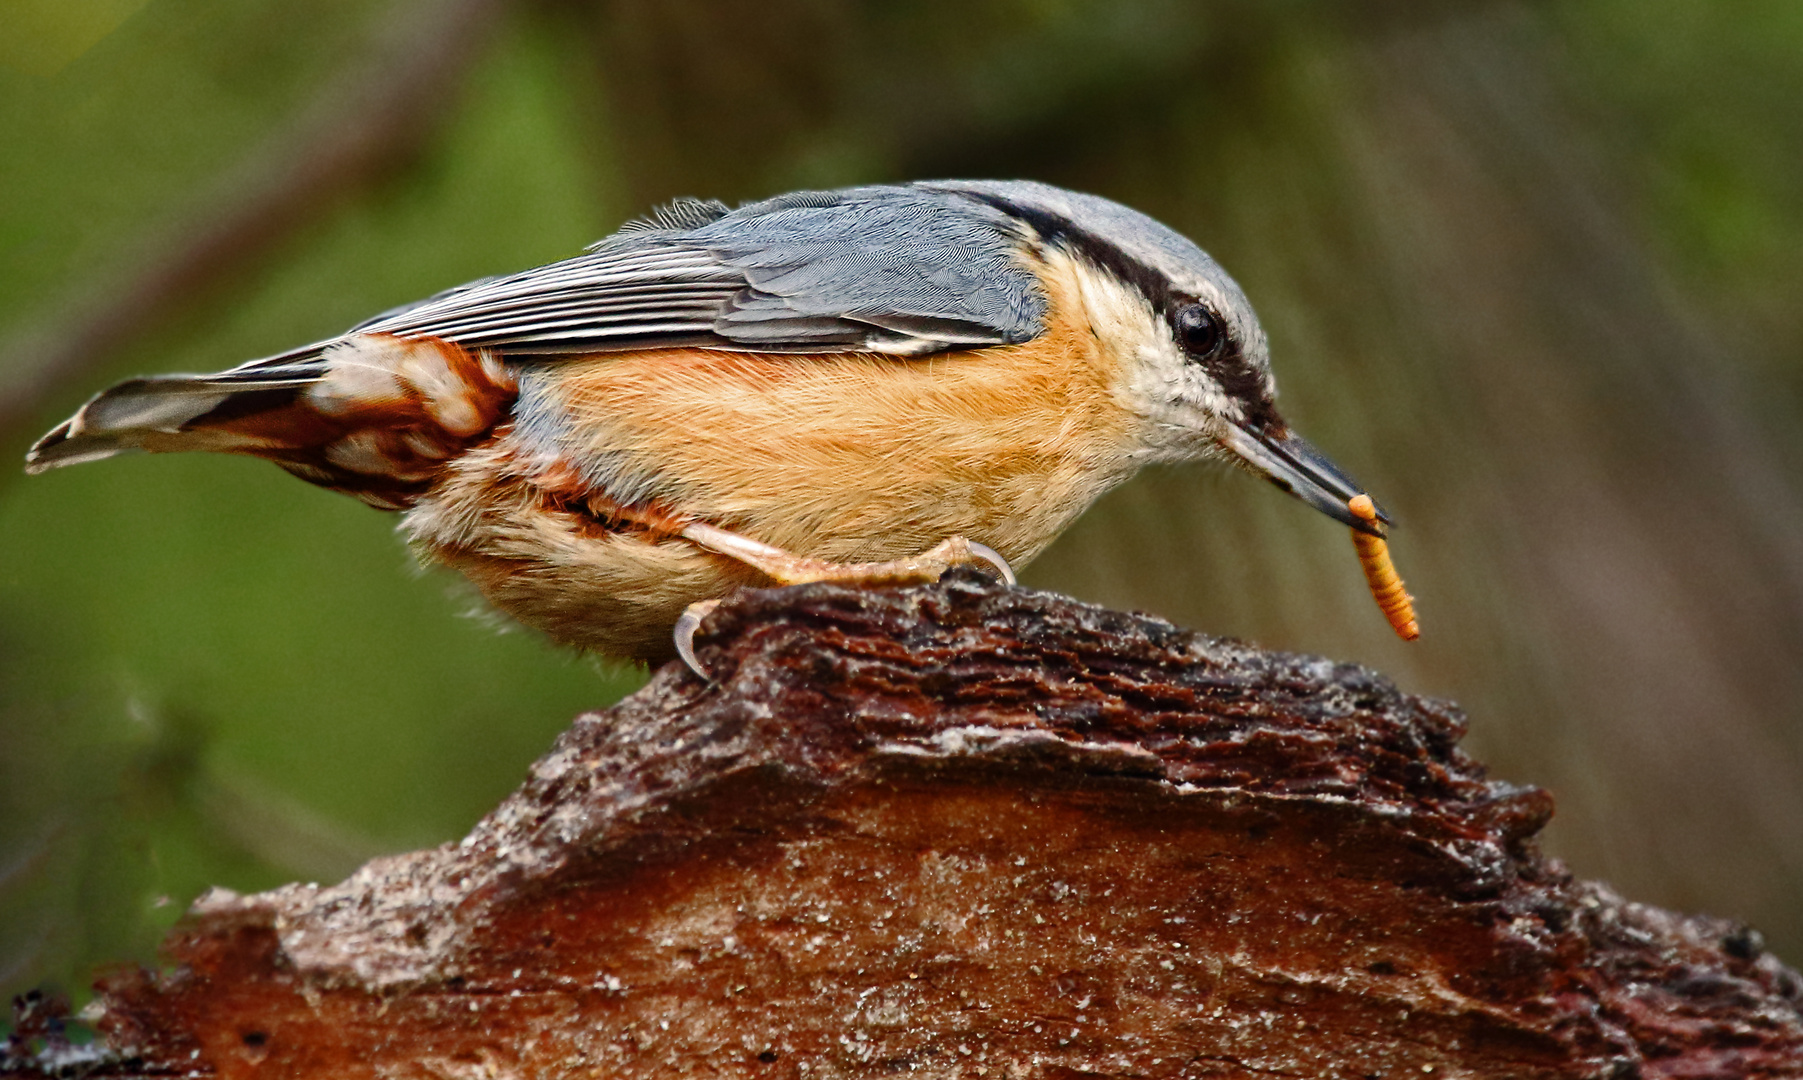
<point>855,457</point>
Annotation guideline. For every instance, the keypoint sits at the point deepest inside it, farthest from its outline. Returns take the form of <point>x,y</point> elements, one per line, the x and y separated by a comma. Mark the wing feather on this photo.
<point>889,269</point>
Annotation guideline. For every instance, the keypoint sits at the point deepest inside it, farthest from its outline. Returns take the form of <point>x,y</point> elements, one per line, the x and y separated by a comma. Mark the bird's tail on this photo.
<point>167,413</point>
<point>370,415</point>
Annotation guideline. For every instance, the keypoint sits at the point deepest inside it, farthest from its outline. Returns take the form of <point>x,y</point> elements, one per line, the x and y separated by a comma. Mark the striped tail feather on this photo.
<point>370,415</point>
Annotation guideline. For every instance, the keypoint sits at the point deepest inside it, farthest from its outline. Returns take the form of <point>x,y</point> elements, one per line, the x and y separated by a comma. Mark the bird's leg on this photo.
<point>790,569</point>
<point>798,569</point>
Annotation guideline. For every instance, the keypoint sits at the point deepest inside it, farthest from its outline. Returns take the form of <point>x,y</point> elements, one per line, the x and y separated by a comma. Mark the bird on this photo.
<point>870,385</point>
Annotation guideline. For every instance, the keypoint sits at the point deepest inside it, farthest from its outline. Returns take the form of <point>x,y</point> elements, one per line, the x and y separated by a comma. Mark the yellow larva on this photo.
<point>1380,573</point>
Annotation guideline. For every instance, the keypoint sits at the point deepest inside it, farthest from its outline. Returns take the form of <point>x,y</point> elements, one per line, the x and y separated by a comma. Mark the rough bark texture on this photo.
<point>959,830</point>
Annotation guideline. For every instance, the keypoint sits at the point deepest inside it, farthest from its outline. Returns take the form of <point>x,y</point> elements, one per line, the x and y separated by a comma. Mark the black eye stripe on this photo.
<point>1152,283</point>
<point>1236,376</point>
<point>1225,364</point>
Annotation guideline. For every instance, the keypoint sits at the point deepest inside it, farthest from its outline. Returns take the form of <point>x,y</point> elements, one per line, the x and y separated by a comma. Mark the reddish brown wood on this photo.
<point>965,831</point>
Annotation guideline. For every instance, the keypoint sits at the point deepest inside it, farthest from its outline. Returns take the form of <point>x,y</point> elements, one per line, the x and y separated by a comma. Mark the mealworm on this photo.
<point>1380,573</point>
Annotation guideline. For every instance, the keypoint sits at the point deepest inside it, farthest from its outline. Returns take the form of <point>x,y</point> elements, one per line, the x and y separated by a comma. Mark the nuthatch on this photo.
<point>870,384</point>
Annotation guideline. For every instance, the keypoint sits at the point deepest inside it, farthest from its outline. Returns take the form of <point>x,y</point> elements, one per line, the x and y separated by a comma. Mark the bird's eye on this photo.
<point>1199,331</point>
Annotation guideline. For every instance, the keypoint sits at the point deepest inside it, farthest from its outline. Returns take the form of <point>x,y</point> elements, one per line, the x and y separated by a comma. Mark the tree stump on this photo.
<point>962,830</point>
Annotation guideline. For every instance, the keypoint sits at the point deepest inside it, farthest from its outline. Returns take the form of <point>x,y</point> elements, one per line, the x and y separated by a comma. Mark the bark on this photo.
<point>966,831</point>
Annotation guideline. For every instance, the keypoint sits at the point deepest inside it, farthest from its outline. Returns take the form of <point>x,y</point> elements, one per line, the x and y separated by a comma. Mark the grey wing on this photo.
<point>437,297</point>
<point>884,269</point>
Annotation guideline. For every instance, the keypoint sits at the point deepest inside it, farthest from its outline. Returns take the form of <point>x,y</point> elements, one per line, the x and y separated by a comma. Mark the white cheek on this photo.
<point>1155,378</point>
<point>1151,370</point>
<point>1182,411</point>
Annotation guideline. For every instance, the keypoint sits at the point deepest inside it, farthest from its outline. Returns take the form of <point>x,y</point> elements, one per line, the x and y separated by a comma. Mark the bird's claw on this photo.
<point>993,558</point>
<point>686,626</point>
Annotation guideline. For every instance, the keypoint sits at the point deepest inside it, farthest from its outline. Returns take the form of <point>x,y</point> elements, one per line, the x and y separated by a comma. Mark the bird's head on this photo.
<point>1196,368</point>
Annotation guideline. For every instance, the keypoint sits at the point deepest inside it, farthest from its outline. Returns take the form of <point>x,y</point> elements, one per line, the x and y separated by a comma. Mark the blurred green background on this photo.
<point>1529,269</point>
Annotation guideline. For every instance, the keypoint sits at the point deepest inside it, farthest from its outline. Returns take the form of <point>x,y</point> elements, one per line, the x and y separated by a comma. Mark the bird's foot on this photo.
<point>799,570</point>
<point>788,569</point>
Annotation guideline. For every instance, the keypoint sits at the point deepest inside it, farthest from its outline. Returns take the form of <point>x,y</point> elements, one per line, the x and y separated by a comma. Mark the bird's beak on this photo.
<point>1298,468</point>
